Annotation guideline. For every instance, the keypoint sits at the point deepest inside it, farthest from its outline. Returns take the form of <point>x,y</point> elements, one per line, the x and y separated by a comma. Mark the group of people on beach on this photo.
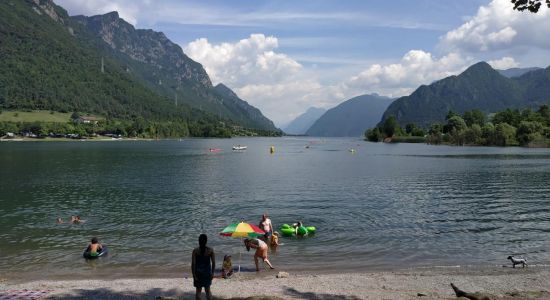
<point>203,261</point>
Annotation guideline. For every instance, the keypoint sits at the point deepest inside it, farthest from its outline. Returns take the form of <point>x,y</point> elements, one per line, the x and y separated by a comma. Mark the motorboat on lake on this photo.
<point>239,147</point>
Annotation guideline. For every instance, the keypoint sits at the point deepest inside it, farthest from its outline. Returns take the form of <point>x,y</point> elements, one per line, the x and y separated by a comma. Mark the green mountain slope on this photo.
<point>51,61</point>
<point>479,87</point>
<point>163,67</point>
<point>245,113</point>
<point>351,117</point>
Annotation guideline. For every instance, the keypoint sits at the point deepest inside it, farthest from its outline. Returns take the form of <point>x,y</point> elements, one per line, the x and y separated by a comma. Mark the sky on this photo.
<point>286,56</point>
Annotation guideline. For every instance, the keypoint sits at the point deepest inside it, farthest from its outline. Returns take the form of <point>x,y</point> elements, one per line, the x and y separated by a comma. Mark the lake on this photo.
<point>382,207</point>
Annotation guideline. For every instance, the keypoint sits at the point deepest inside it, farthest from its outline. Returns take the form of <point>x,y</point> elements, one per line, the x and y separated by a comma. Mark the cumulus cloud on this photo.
<point>504,63</point>
<point>248,61</point>
<point>415,68</point>
<point>497,26</point>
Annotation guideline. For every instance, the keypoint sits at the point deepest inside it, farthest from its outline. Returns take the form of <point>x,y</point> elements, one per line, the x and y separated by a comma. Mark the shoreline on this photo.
<point>432,283</point>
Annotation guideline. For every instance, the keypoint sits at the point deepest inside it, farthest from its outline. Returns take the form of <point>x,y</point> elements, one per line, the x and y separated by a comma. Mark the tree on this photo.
<point>435,136</point>
<point>530,5</point>
<point>373,135</point>
<point>451,114</point>
<point>510,116</point>
<point>473,135</point>
<point>488,134</point>
<point>75,116</point>
<point>390,126</point>
<point>528,132</point>
<point>455,123</point>
<point>474,116</point>
<point>505,135</point>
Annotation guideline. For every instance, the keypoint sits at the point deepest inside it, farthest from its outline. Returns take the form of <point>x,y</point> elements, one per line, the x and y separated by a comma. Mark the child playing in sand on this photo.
<point>227,268</point>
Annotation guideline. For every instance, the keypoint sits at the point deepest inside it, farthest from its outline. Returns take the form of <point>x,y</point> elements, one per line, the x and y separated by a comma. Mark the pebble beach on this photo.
<point>433,283</point>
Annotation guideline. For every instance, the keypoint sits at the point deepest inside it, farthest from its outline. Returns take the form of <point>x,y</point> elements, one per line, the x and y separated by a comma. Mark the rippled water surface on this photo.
<point>382,207</point>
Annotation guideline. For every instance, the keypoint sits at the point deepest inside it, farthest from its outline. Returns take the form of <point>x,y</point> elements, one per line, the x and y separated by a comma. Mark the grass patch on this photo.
<point>34,116</point>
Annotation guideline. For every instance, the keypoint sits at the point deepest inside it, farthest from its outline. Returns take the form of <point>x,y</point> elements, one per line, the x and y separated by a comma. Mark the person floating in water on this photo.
<point>76,220</point>
<point>94,248</point>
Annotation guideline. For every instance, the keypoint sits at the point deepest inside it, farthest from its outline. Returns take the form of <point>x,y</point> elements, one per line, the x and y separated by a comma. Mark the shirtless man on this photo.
<point>265,225</point>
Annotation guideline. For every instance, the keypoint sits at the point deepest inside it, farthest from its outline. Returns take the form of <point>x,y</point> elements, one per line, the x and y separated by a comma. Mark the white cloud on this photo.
<point>249,61</point>
<point>127,9</point>
<point>415,68</point>
<point>504,63</point>
<point>497,26</point>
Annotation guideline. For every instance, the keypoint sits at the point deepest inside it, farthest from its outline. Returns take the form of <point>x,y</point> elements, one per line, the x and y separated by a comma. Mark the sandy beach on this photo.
<point>434,283</point>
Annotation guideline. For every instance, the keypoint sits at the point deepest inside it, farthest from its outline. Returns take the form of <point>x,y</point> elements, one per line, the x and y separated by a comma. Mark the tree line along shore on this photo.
<point>57,125</point>
<point>510,127</point>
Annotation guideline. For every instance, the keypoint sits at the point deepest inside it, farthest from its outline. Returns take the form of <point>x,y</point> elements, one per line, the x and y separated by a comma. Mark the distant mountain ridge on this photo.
<point>351,118</point>
<point>516,72</point>
<point>303,122</point>
<point>478,87</point>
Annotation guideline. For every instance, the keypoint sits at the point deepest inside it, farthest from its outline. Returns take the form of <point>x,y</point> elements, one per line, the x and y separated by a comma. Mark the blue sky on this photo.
<point>286,56</point>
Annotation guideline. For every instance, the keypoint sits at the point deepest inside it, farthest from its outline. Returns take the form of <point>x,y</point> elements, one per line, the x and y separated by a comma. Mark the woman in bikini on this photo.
<point>261,251</point>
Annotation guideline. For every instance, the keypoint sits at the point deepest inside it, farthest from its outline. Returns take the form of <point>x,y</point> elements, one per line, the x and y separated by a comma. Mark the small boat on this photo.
<point>239,147</point>
<point>214,149</point>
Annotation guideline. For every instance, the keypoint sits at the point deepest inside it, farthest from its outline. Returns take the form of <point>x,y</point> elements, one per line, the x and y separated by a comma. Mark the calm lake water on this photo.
<point>382,207</point>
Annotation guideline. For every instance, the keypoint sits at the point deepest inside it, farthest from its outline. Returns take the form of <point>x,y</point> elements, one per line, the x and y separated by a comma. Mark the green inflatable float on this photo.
<point>287,230</point>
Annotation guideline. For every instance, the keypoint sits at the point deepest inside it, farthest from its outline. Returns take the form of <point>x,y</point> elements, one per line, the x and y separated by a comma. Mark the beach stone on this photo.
<point>282,275</point>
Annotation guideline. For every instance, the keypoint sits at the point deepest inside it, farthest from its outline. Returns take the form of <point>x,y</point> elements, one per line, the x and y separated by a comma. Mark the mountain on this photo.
<point>351,117</point>
<point>251,116</point>
<point>516,72</point>
<point>165,68</point>
<point>478,87</point>
<point>304,121</point>
<point>103,65</point>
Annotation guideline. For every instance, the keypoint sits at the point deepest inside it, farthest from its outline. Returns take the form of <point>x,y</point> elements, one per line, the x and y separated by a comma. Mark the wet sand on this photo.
<point>433,283</point>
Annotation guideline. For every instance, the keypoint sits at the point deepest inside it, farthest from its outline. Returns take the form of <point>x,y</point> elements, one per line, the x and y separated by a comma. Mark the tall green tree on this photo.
<point>390,126</point>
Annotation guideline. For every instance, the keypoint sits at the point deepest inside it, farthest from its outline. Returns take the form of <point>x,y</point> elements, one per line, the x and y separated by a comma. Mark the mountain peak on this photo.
<point>110,16</point>
<point>480,67</point>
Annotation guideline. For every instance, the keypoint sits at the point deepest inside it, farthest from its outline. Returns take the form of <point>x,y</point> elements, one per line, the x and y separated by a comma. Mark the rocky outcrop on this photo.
<point>147,46</point>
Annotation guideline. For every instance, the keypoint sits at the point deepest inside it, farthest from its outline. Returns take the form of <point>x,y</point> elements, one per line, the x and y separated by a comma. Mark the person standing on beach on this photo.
<point>203,264</point>
<point>261,251</point>
<point>267,226</point>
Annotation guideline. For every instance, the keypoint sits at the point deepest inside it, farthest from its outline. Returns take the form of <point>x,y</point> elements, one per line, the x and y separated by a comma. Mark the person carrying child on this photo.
<point>227,267</point>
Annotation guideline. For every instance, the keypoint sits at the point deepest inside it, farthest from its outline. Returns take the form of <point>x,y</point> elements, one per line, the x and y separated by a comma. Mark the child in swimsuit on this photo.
<point>275,240</point>
<point>94,248</point>
<point>227,268</point>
